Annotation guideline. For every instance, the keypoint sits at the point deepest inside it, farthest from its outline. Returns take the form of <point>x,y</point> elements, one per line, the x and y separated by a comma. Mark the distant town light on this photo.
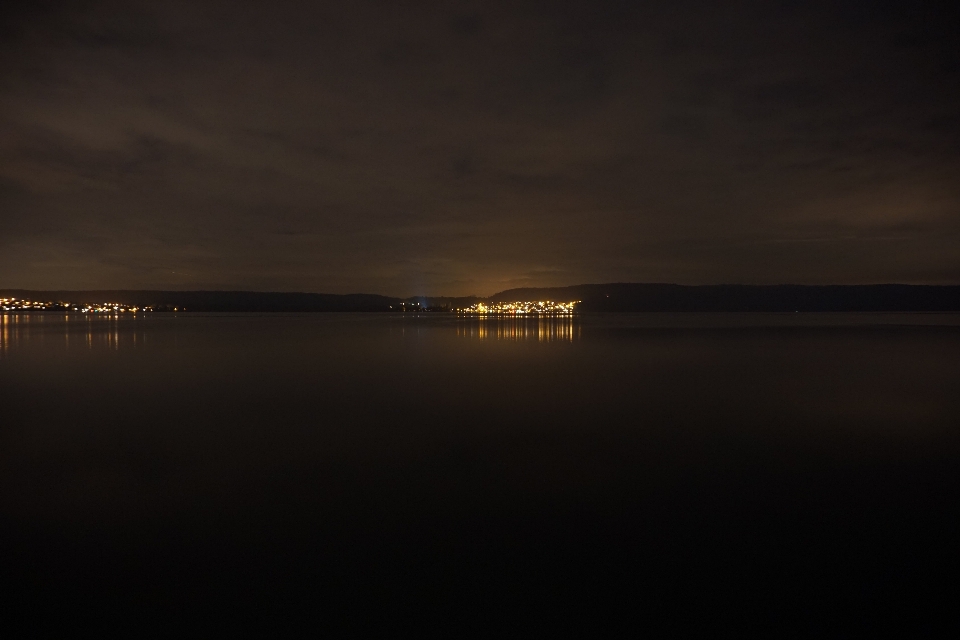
<point>16,304</point>
<point>541,307</point>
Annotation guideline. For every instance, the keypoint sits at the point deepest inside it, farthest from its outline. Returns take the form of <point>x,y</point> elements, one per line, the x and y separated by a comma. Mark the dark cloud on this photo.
<point>464,147</point>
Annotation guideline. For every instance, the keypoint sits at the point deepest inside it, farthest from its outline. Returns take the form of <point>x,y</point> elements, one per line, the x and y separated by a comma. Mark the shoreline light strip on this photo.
<point>541,307</point>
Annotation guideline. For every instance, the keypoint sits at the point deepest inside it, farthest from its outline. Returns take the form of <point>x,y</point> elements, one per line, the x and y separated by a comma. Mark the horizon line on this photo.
<point>399,297</point>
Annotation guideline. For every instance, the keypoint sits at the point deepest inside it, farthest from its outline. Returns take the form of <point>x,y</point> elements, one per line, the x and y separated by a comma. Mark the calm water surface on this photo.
<point>690,470</point>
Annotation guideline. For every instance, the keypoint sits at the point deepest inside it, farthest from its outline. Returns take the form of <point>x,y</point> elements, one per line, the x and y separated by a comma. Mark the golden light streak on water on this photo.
<point>518,328</point>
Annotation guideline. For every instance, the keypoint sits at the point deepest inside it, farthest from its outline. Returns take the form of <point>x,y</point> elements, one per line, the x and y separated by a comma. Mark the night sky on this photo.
<point>458,148</point>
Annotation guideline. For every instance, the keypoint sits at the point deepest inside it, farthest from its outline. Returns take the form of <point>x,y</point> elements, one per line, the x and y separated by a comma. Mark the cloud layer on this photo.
<point>464,148</point>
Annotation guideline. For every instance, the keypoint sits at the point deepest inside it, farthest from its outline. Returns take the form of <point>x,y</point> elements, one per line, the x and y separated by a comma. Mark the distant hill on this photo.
<point>594,297</point>
<point>439,302</point>
<point>672,297</point>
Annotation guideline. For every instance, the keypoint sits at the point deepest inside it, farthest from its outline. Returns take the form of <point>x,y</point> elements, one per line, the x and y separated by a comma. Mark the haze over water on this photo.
<point>597,464</point>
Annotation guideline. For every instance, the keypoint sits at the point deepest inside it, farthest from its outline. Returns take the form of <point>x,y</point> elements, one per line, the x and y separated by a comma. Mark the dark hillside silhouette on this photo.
<point>672,297</point>
<point>595,297</point>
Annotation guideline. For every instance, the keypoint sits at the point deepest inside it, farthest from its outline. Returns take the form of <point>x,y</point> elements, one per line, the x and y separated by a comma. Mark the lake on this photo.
<point>437,473</point>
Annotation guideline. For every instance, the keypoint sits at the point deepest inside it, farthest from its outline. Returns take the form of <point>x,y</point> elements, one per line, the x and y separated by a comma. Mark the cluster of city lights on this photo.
<point>541,307</point>
<point>16,304</point>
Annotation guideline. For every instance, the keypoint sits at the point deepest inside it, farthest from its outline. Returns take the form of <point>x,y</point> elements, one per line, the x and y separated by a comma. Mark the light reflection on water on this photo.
<point>542,329</point>
<point>113,333</point>
<point>68,332</point>
<point>71,332</point>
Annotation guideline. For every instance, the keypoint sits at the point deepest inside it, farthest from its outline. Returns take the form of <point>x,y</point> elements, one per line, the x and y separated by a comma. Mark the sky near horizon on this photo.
<point>458,148</point>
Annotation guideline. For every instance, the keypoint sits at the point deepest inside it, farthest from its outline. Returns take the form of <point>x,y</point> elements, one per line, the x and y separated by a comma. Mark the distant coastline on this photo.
<point>611,297</point>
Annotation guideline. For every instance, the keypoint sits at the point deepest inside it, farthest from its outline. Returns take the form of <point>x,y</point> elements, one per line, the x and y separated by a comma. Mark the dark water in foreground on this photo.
<point>799,471</point>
